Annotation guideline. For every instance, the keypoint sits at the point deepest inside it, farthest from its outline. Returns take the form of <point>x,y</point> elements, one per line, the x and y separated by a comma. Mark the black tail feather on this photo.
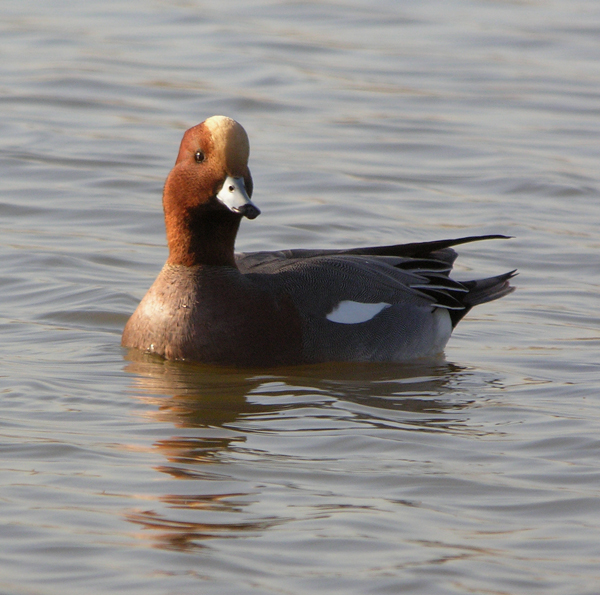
<point>482,291</point>
<point>420,249</point>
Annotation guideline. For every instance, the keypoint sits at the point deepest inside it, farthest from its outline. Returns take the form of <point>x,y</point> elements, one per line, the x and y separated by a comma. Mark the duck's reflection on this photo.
<point>194,395</point>
<point>215,410</point>
<point>188,535</point>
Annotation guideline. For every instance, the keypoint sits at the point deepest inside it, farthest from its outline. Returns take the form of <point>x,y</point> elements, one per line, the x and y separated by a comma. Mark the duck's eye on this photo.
<point>199,156</point>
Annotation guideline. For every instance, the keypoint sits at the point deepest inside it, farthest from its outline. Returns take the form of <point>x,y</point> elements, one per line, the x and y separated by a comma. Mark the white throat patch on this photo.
<point>349,312</point>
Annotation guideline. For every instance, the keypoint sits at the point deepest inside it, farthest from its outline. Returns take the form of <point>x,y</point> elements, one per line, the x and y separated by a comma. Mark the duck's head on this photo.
<point>208,192</point>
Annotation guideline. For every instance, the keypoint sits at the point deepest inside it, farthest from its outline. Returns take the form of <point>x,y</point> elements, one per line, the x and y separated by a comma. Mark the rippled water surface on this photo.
<point>370,123</point>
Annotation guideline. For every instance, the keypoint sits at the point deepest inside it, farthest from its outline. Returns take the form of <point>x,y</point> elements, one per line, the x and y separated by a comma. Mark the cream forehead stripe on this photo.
<point>230,141</point>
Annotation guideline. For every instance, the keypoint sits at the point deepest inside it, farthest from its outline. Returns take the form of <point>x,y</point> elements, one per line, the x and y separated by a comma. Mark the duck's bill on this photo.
<point>234,196</point>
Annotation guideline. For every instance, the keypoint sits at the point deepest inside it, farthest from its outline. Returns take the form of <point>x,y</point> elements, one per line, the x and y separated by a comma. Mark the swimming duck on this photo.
<point>208,304</point>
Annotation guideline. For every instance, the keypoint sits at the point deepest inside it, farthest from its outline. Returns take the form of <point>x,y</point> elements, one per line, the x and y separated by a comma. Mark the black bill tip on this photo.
<point>249,211</point>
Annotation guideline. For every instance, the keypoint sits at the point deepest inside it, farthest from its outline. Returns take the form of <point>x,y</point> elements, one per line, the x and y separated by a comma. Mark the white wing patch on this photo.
<point>349,312</point>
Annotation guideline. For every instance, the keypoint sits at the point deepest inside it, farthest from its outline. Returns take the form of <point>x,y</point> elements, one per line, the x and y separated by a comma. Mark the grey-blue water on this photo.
<point>370,123</point>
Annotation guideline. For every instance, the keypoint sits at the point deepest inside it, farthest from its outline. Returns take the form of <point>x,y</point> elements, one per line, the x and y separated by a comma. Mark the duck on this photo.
<point>393,303</point>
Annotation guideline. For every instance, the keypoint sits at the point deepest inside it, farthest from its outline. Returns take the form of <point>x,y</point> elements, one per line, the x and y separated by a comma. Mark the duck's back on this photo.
<point>390,303</point>
<point>355,308</point>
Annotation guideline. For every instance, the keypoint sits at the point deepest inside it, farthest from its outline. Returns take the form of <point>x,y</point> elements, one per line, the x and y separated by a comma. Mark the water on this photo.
<point>370,123</point>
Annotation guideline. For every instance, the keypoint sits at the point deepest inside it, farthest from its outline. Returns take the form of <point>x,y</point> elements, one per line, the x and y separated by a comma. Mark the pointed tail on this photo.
<point>482,291</point>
